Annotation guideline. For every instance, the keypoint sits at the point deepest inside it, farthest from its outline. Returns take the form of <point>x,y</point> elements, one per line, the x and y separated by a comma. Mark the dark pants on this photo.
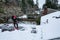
<point>15,24</point>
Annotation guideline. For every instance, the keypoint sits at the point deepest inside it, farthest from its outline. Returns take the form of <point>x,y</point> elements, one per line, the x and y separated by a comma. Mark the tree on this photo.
<point>50,4</point>
<point>30,2</point>
<point>38,20</point>
<point>25,4</point>
<point>1,8</point>
<point>6,1</point>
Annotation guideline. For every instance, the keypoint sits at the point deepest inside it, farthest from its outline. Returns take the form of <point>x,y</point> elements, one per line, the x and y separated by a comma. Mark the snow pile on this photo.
<point>51,29</point>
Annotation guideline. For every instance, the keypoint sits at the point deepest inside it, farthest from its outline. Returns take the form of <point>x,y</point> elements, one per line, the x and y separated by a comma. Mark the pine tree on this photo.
<point>30,2</point>
<point>6,1</point>
<point>51,4</point>
<point>25,4</point>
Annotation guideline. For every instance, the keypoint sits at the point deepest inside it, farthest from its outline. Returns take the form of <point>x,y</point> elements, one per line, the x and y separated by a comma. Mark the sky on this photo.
<point>41,2</point>
<point>59,2</point>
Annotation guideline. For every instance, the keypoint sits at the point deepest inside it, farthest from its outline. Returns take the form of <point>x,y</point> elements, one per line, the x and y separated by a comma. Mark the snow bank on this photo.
<point>51,29</point>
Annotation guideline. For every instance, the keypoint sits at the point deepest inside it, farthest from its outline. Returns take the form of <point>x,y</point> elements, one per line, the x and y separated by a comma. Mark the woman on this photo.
<point>14,18</point>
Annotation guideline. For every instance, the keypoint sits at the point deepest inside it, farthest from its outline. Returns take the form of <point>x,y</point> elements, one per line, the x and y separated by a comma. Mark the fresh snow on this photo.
<point>51,29</point>
<point>45,31</point>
